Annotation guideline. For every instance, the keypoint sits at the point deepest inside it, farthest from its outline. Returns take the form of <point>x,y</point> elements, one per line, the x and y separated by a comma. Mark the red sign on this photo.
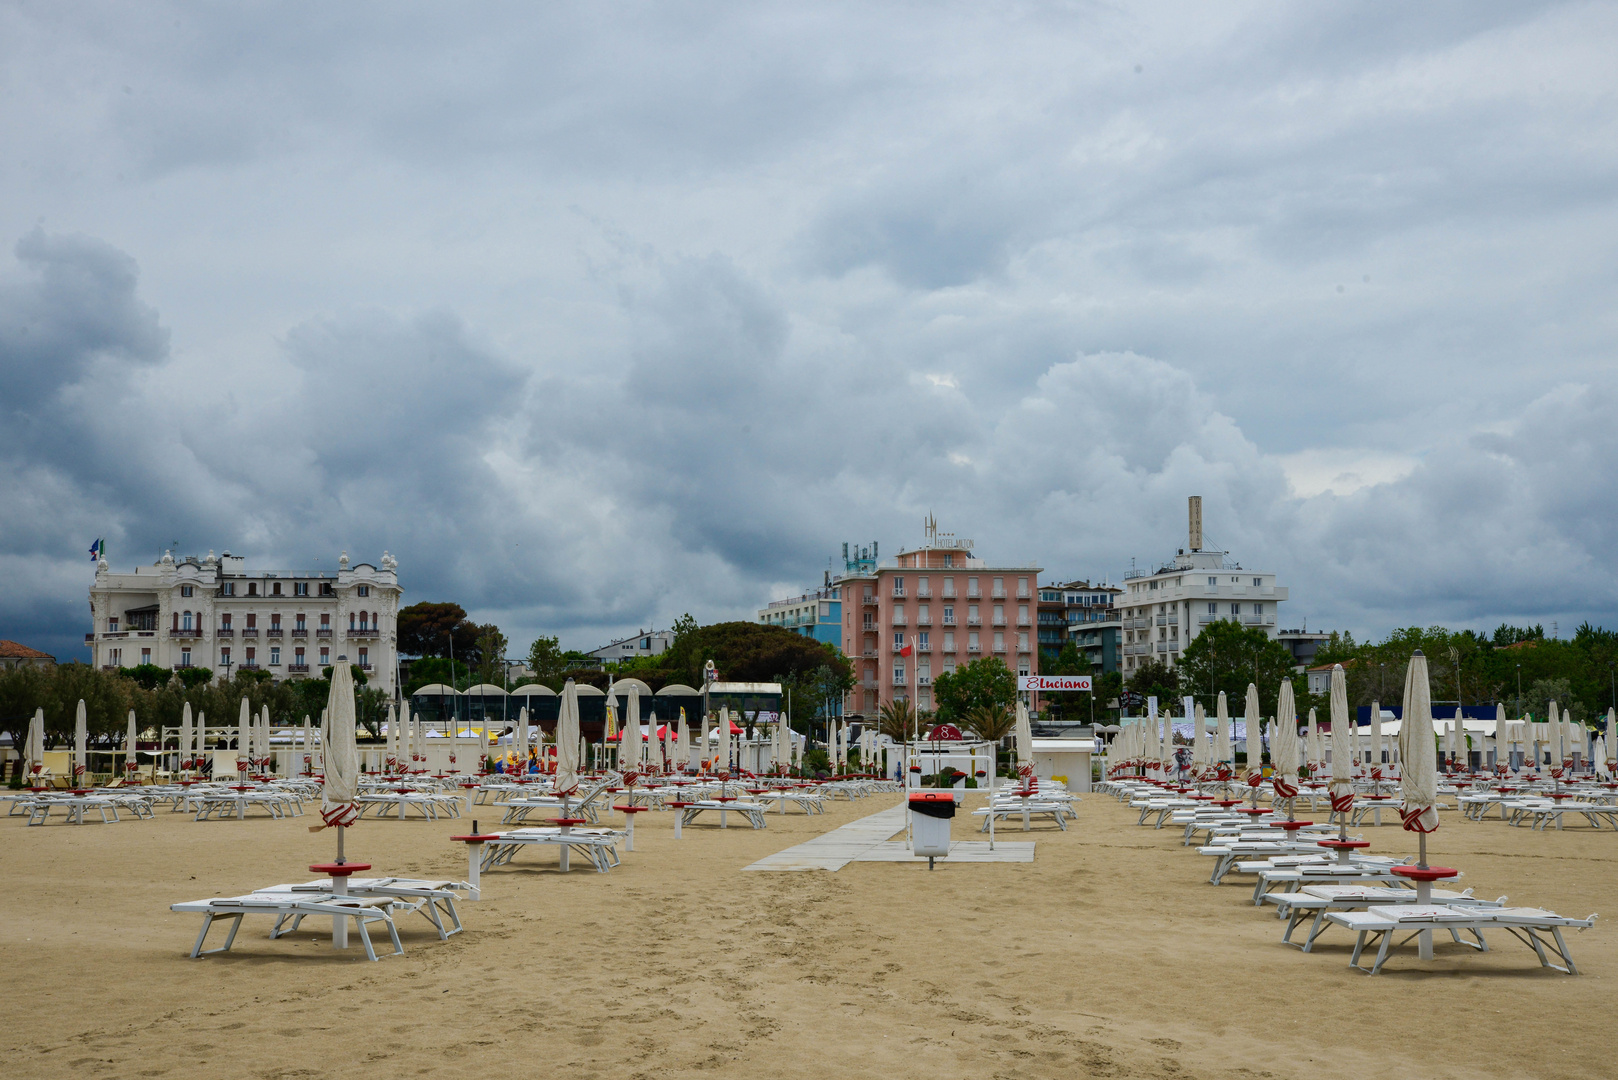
<point>944,733</point>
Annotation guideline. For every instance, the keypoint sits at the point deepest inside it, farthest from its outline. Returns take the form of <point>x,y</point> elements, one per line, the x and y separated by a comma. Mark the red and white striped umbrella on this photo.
<point>1342,745</point>
<point>339,752</point>
<point>1284,753</point>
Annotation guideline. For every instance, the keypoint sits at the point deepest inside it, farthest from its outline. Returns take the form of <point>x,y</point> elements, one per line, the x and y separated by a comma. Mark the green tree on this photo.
<point>548,663</point>
<point>147,676</point>
<point>1155,679</point>
<point>429,629</point>
<point>991,724</point>
<point>491,655</point>
<point>897,720</point>
<point>1068,661</point>
<point>984,683</point>
<point>1227,656</point>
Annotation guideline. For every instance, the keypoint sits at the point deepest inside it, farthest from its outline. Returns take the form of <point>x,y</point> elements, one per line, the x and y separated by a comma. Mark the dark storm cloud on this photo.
<point>594,315</point>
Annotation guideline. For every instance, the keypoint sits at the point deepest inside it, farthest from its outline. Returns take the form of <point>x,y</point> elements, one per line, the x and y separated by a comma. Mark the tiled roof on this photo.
<point>11,650</point>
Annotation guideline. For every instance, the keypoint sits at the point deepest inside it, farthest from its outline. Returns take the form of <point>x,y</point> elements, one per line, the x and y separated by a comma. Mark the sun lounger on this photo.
<point>1026,809</point>
<point>1534,927</point>
<point>752,811</point>
<point>429,805</point>
<point>363,910</point>
<point>600,846</point>
<point>434,899</point>
<point>73,807</point>
<point>1317,901</point>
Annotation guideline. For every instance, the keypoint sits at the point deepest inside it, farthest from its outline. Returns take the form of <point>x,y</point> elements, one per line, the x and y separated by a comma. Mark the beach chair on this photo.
<point>434,899</point>
<point>363,910</point>
<point>1534,927</point>
<point>1317,901</point>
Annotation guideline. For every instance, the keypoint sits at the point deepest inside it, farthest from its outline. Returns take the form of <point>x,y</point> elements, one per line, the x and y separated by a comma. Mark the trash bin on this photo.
<point>930,814</point>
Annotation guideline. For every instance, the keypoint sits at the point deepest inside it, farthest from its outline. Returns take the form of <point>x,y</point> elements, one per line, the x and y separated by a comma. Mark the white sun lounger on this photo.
<point>434,899</point>
<point>362,910</point>
<point>430,805</point>
<point>1534,927</point>
<point>73,808</point>
<point>600,846</point>
<point>1320,900</point>
<point>752,811</point>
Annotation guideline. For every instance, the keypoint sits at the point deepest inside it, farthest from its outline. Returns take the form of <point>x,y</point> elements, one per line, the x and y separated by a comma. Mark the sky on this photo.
<point>594,314</point>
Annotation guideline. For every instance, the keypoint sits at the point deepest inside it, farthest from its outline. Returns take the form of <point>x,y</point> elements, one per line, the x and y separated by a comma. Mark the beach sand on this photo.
<point>1108,955</point>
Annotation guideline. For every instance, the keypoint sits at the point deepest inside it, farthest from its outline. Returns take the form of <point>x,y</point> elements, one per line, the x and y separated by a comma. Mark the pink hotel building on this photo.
<point>949,606</point>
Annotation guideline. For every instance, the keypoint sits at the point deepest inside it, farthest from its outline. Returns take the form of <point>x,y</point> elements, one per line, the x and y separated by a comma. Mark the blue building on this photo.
<point>817,613</point>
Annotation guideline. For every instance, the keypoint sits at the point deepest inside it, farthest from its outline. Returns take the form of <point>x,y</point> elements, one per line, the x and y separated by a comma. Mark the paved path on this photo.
<point>868,840</point>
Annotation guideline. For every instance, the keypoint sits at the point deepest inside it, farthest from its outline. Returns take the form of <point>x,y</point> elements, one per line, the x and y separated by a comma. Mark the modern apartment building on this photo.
<point>1163,611</point>
<point>945,606</point>
<point>1085,614</point>
<point>817,613</point>
<point>212,613</point>
<point>645,643</point>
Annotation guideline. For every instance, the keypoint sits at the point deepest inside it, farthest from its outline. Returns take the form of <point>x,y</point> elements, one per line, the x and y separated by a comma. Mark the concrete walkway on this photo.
<point>869,840</point>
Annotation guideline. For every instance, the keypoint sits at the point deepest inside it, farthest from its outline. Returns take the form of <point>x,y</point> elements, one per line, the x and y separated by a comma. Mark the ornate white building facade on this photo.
<point>211,613</point>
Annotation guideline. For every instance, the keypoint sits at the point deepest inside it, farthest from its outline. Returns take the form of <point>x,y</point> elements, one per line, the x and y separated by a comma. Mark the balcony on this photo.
<point>110,667</point>
<point>974,595</point>
<point>274,631</point>
<point>974,647</point>
<point>324,631</point>
<point>1022,620</point>
<point>1204,620</point>
<point>974,620</point>
<point>949,647</point>
<point>924,619</point>
<point>300,631</point>
<point>949,620</point>
<point>925,646</point>
<point>999,646</point>
<point>183,667</point>
<point>869,654</point>
<point>924,680</point>
<point>869,628</point>
<point>225,631</point>
<point>249,631</point>
<point>998,594</point>
<point>248,665</point>
<point>297,669</point>
<point>999,620</point>
<point>899,618</point>
<point>869,600</point>
<point>898,594</point>
<point>1174,646</point>
<point>949,594</point>
<point>1163,646</point>
<point>185,632</point>
<point>899,679</point>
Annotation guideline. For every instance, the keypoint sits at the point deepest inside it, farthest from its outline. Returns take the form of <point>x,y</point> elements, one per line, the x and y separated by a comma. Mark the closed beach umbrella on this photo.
<point>339,752</point>
<point>1553,739</point>
<point>1285,751</point>
<point>186,742</point>
<point>307,764</point>
<point>1222,740</point>
<point>668,744</point>
<point>1254,726</point>
<point>702,748</point>
<point>34,748</point>
<point>1342,746</point>
<point>1313,754</point>
<point>1502,744</point>
<point>1599,757</point>
<point>393,739</point>
<point>129,744</point>
<point>244,737</point>
<point>567,740</point>
<point>1025,737</point>
<point>1418,776</point>
<point>632,731</point>
<point>519,739</point>
<point>1612,744</point>
<point>1199,738</point>
<point>682,745</point>
<point>1378,750</point>
<point>81,743</point>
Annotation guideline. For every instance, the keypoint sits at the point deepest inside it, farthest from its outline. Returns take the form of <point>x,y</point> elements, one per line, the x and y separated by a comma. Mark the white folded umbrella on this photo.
<point>567,740</point>
<point>1418,754</point>
<point>340,752</point>
<point>1255,729</point>
<point>1222,725</point>
<point>129,743</point>
<point>81,742</point>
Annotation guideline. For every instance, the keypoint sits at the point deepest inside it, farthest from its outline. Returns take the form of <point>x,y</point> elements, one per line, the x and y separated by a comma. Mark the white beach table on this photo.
<point>1534,927</point>
<point>434,899</point>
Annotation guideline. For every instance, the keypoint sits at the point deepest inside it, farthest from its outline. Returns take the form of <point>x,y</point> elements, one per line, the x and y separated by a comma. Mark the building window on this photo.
<point>326,589</point>
<point>185,621</point>
<point>325,656</point>
<point>275,589</point>
<point>351,622</point>
<point>999,586</point>
<point>364,590</point>
<point>252,588</point>
<point>999,641</point>
<point>185,590</point>
<point>949,559</point>
<point>365,659</point>
<point>898,640</point>
<point>252,654</point>
<point>921,639</point>
<point>228,589</point>
<point>275,622</point>
<point>146,656</point>
<point>300,588</point>
<point>1022,640</point>
<point>112,625</point>
<point>252,621</point>
<point>224,621</point>
<point>185,657</point>
<point>1235,609</point>
<point>971,587</point>
<point>949,614</point>
<point>297,657</point>
<point>949,642</point>
<point>325,621</point>
<point>115,657</point>
<point>1258,581</point>
<point>1213,609</point>
<point>1213,581</point>
<point>972,641</point>
<point>275,656</point>
<point>224,657</point>
<point>898,586</point>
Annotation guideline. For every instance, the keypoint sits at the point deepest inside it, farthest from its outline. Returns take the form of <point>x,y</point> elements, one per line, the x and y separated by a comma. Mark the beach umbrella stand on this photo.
<point>1418,782</point>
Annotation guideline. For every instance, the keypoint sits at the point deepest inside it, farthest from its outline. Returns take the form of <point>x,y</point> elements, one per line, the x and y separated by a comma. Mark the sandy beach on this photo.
<point>1108,955</point>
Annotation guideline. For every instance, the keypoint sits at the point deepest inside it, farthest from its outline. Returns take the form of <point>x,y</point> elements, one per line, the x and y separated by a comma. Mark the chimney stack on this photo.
<point>1195,510</point>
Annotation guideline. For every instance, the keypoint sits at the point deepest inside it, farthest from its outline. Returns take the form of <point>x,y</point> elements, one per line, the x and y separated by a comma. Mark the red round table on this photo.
<point>339,873</point>
<point>1343,847</point>
<point>1424,876</point>
<point>678,807</point>
<point>474,859</point>
<point>1289,826</point>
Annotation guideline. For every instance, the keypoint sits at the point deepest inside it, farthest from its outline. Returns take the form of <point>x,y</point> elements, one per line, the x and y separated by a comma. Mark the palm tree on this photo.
<point>990,724</point>
<point>896,720</point>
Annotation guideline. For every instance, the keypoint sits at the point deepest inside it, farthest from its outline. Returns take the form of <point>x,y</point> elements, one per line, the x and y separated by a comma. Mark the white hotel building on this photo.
<point>211,613</point>
<point>1164,611</point>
